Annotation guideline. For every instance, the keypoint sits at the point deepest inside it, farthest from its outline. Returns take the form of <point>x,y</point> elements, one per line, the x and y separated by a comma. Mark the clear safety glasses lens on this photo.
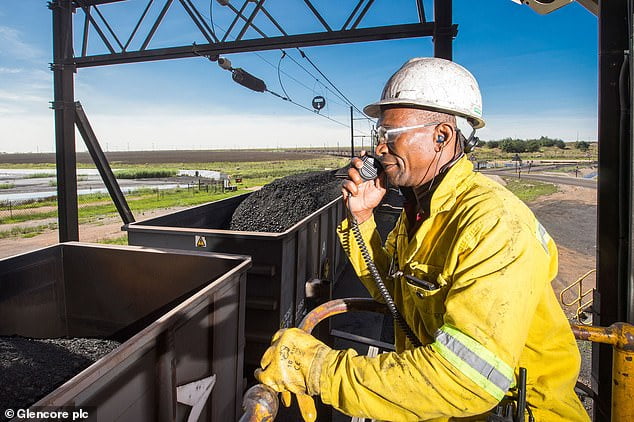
<point>383,135</point>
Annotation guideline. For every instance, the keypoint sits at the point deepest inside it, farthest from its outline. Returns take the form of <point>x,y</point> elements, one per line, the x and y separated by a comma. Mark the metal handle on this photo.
<point>260,403</point>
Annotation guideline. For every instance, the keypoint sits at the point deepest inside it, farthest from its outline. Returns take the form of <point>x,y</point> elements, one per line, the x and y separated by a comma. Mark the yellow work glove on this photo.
<point>293,365</point>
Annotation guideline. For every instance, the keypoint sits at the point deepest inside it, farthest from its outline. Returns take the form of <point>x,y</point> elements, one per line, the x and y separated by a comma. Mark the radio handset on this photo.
<point>371,168</point>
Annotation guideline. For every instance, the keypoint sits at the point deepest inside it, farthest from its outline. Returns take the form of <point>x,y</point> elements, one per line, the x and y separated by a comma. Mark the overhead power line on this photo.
<point>338,92</point>
<point>330,82</point>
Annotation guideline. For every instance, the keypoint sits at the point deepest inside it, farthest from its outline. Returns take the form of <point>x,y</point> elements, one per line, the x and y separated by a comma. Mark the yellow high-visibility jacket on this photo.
<point>492,310</point>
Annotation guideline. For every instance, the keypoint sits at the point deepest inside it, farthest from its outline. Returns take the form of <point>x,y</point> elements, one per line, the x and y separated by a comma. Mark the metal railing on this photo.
<point>580,312</point>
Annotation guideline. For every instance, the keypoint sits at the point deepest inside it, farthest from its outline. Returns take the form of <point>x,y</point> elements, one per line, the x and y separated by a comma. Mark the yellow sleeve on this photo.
<point>500,272</point>
<point>380,255</point>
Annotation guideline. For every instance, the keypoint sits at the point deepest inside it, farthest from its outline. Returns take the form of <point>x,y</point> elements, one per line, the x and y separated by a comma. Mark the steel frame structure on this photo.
<point>615,294</point>
<point>65,62</point>
<point>614,297</point>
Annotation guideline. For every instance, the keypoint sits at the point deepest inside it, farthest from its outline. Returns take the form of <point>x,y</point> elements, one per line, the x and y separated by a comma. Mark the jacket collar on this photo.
<point>453,185</point>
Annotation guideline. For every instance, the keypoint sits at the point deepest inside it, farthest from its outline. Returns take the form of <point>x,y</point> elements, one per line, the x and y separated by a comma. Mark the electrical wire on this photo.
<point>330,82</point>
<point>305,108</point>
<point>286,96</point>
<point>336,93</point>
<point>297,80</point>
<point>385,294</point>
<point>318,81</point>
<point>279,78</point>
<point>211,16</point>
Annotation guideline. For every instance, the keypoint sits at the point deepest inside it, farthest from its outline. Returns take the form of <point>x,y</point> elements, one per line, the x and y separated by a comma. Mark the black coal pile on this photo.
<point>282,203</point>
<point>31,368</point>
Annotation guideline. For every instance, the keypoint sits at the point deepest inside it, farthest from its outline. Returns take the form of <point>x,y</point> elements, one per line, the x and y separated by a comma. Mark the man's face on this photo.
<point>411,158</point>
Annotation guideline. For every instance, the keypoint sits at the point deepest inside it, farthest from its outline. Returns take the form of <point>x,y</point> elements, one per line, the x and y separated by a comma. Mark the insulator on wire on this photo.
<point>246,79</point>
<point>224,63</point>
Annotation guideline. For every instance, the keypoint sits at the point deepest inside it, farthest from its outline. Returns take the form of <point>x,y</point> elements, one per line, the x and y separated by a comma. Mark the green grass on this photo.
<point>95,207</point>
<point>145,173</point>
<point>39,175</point>
<point>545,153</point>
<point>121,240</point>
<point>19,217</point>
<point>6,185</point>
<point>529,190</point>
<point>142,201</point>
<point>26,232</point>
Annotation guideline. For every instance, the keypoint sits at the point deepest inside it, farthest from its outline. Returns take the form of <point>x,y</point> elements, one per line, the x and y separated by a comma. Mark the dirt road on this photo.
<point>570,216</point>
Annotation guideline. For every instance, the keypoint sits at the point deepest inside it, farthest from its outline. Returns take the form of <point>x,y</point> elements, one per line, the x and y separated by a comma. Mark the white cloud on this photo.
<point>20,97</point>
<point>12,45</point>
<point>10,70</point>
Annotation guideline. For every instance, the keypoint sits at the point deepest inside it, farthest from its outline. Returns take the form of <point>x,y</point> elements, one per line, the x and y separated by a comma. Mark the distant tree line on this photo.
<point>531,145</point>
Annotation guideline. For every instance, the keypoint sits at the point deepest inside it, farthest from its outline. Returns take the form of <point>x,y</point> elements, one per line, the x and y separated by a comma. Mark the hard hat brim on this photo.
<point>374,110</point>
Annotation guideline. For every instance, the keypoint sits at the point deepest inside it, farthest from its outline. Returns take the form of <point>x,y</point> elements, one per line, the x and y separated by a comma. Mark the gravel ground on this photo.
<point>32,368</point>
<point>286,201</point>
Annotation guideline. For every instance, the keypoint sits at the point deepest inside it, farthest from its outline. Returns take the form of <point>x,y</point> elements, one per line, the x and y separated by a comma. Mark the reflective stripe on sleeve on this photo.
<point>542,236</point>
<point>474,361</point>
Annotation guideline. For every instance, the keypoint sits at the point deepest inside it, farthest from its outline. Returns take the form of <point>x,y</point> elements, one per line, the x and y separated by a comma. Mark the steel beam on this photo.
<point>630,140</point>
<point>420,8</point>
<point>100,160</point>
<point>318,15</point>
<point>362,14</point>
<point>98,2</point>
<point>274,43</point>
<point>98,29</point>
<point>256,9</point>
<point>138,24</point>
<point>354,12</point>
<point>614,229</point>
<point>235,20</point>
<point>158,21</point>
<point>444,31</point>
<point>63,105</point>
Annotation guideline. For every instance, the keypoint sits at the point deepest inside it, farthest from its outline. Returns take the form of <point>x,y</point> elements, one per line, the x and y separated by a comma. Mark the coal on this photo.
<point>32,368</point>
<point>286,201</point>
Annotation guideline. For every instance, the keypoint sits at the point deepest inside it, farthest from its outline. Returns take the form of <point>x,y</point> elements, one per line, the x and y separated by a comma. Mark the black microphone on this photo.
<point>371,168</point>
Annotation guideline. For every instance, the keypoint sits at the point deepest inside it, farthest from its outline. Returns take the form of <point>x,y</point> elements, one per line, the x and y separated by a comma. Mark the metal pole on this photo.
<point>621,337</point>
<point>64,106</point>
<point>443,31</point>
<point>613,220</point>
<point>630,140</point>
<point>351,134</point>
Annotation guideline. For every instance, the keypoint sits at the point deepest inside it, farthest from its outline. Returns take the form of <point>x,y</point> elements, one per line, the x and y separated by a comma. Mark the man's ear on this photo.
<point>443,135</point>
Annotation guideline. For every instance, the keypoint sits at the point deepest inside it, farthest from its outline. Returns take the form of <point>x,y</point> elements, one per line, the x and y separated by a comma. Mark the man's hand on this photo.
<point>293,364</point>
<point>361,196</point>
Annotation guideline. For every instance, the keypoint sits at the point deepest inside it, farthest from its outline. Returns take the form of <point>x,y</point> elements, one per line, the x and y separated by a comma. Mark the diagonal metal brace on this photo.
<point>100,160</point>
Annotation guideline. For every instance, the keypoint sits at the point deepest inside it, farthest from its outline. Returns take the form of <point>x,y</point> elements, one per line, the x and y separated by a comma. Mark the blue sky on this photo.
<point>537,74</point>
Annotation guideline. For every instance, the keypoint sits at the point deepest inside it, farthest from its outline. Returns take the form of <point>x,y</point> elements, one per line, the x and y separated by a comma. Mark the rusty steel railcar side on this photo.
<point>282,262</point>
<point>179,315</point>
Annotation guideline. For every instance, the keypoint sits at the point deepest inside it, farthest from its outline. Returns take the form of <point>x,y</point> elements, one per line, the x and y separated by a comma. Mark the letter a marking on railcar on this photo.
<point>195,394</point>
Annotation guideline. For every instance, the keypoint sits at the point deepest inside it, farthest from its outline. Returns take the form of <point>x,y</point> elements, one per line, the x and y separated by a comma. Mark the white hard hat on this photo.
<point>435,84</point>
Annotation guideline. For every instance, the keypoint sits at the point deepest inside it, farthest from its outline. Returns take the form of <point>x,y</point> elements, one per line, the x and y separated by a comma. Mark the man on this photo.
<point>468,266</point>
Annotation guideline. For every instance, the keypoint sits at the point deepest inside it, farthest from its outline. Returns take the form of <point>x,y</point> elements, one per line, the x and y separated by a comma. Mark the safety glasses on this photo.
<point>383,135</point>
